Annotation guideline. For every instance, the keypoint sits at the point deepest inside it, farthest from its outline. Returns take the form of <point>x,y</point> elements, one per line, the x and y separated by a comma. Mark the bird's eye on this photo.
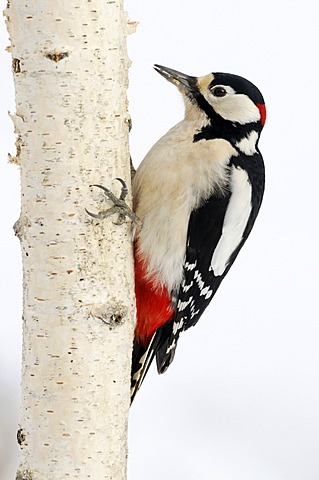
<point>219,92</point>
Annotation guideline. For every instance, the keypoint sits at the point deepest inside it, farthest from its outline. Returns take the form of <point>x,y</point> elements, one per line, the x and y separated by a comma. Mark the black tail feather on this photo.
<point>141,361</point>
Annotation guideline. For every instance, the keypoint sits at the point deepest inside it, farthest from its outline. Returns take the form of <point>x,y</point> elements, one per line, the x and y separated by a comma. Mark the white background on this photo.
<point>240,401</point>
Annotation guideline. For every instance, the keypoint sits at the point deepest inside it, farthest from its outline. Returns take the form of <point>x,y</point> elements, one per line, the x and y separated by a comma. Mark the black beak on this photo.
<point>177,78</point>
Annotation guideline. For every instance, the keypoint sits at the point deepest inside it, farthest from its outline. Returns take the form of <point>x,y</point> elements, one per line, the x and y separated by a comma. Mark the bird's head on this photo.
<point>231,97</point>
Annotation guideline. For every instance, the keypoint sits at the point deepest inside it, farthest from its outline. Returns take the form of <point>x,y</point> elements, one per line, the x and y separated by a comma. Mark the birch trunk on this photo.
<point>70,68</point>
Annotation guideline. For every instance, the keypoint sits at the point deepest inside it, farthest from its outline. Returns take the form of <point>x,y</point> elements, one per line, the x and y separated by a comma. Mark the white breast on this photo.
<point>173,178</point>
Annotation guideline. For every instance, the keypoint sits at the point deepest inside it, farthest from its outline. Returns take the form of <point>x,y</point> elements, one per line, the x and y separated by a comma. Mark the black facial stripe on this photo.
<point>204,105</point>
<point>220,128</point>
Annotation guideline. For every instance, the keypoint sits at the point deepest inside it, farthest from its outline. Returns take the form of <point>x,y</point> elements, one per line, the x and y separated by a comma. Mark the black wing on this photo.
<point>200,284</point>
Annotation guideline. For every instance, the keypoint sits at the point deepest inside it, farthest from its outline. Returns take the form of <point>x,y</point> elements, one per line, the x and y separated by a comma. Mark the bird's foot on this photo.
<point>119,206</point>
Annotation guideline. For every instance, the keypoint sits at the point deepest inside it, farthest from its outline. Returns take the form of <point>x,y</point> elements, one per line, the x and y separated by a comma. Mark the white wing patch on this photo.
<point>236,218</point>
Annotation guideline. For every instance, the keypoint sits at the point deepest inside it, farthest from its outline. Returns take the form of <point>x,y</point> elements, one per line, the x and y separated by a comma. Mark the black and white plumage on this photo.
<point>197,192</point>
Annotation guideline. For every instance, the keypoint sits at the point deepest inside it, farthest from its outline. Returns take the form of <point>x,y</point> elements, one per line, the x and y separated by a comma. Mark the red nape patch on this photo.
<point>153,305</point>
<point>263,113</point>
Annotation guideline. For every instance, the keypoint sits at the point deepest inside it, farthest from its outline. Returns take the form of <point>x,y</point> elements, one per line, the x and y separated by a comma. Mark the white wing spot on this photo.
<point>182,305</point>
<point>171,346</point>
<point>177,326</point>
<point>198,279</point>
<point>193,311</point>
<point>190,266</point>
<point>204,290</point>
<point>187,287</point>
<point>209,294</point>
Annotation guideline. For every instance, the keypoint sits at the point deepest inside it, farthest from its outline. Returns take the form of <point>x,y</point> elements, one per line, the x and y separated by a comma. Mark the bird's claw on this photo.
<point>119,205</point>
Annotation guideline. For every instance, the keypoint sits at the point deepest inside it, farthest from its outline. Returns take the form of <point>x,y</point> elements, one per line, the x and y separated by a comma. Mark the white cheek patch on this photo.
<point>235,107</point>
<point>235,221</point>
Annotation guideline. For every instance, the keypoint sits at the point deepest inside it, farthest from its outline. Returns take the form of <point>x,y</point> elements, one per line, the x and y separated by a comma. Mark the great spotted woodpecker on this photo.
<point>197,194</point>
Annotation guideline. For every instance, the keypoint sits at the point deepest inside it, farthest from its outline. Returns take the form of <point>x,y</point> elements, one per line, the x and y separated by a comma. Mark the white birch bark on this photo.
<point>70,69</point>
